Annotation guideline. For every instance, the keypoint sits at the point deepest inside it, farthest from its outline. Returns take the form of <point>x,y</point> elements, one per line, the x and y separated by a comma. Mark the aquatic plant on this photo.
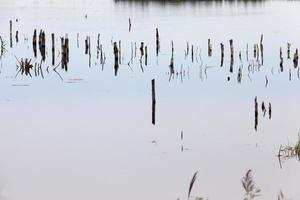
<point>192,182</point>
<point>248,184</point>
<point>289,151</point>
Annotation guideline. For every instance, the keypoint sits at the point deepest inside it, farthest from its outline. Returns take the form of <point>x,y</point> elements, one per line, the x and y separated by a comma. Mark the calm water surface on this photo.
<point>89,135</point>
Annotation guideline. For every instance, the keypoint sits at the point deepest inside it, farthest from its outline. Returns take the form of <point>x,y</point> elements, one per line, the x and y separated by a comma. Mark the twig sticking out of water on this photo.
<point>192,184</point>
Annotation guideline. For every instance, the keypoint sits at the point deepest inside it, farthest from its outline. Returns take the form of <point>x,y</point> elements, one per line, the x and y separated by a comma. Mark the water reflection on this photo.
<point>189,2</point>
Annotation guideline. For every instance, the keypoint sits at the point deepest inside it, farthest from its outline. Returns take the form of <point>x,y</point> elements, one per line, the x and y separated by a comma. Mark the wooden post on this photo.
<point>281,60</point>
<point>129,20</point>
<point>257,55</point>
<point>116,55</point>
<point>256,113</point>
<point>153,101</point>
<point>263,108</point>
<point>42,44</point>
<point>53,49</point>
<point>63,54</point>
<point>222,54</point>
<point>17,36</point>
<point>288,50</point>
<point>209,48</point>
<point>192,53</point>
<point>10,33</point>
<point>87,45</point>
<point>261,49</point>
<point>270,111</point>
<point>98,45</point>
<point>142,49</point>
<point>67,48</point>
<point>295,59</point>
<point>239,76</point>
<point>157,42</point>
<point>231,55</point>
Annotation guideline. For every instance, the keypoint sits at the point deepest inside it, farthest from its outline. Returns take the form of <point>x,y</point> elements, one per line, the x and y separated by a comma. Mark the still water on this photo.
<point>87,134</point>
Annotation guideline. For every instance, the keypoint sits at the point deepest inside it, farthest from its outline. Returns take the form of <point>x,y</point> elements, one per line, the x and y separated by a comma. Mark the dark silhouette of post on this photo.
<point>153,100</point>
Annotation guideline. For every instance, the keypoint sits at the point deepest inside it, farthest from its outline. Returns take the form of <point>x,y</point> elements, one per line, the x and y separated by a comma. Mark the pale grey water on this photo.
<point>93,139</point>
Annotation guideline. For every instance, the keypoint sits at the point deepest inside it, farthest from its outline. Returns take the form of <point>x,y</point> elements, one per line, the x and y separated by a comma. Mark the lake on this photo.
<point>85,131</point>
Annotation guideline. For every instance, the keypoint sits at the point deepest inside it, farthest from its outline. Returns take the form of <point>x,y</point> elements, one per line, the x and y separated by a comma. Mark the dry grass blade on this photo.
<point>192,183</point>
<point>280,195</point>
<point>247,182</point>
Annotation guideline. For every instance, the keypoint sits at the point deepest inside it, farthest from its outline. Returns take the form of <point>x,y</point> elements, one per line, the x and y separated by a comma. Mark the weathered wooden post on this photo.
<point>281,60</point>
<point>231,55</point>
<point>142,49</point>
<point>116,55</point>
<point>209,48</point>
<point>53,49</point>
<point>288,50</point>
<point>87,45</point>
<point>98,45</point>
<point>157,42</point>
<point>192,54</point>
<point>270,111</point>
<point>262,49</point>
<point>42,44</point>
<point>10,33</point>
<point>222,54</point>
<point>34,43</point>
<point>17,36</point>
<point>263,108</point>
<point>153,100</point>
<point>239,75</point>
<point>129,21</point>
<point>295,59</point>
<point>255,113</point>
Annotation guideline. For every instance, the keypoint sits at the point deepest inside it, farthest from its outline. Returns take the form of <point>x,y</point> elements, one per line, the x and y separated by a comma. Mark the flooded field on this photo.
<point>129,99</point>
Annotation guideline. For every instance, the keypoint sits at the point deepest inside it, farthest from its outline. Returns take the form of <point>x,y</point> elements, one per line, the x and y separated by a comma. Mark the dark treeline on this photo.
<point>193,2</point>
